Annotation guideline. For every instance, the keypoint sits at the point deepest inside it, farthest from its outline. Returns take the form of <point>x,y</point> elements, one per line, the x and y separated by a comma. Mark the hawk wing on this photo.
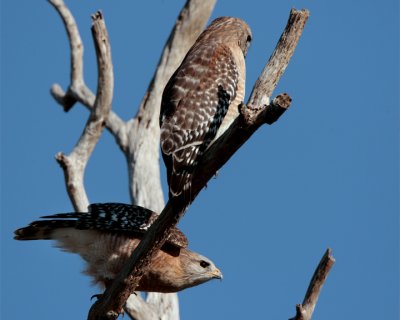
<point>194,104</point>
<point>112,217</point>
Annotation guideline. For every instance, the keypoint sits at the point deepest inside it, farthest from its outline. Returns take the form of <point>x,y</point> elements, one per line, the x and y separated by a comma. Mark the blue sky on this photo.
<point>325,175</point>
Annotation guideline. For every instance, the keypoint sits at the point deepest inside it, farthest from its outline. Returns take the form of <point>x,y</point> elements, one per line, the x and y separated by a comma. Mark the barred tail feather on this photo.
<point>42,230</point>
<point>184,162</point>
<point>180,184</point>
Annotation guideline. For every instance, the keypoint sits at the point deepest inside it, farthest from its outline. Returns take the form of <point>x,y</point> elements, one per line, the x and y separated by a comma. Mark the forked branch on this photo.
<point>74,164</point>
<point>78,90</point>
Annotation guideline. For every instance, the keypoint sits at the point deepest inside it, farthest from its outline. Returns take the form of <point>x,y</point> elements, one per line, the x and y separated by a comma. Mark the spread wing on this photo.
<point>107,217</point>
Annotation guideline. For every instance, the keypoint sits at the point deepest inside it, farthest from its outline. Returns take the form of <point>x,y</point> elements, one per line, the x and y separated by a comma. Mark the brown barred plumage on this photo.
<point>202,98</point>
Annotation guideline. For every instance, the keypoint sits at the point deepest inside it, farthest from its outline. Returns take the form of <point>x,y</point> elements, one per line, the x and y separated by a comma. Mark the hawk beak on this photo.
<point>216,274</point>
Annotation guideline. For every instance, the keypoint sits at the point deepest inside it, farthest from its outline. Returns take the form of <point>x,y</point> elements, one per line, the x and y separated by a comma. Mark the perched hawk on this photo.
<point>105,238</point>
<point>202,99</point>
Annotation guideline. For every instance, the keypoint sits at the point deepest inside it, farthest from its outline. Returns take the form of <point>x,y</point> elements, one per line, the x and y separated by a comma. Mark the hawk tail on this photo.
<point>42,229</point>
<point>181,185</point>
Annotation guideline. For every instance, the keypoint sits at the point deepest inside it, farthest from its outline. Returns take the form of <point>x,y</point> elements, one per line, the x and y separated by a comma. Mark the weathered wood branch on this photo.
<point>305,310</point>
<point>250,120</point>
<point>279,60</point>
<point>74,164</point>
<point>78,90</point>
<point>67,100</point>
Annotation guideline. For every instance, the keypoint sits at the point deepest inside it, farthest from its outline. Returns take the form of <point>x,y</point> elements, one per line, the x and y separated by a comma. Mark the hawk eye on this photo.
<point>204,264</point>
<point>249,38</point>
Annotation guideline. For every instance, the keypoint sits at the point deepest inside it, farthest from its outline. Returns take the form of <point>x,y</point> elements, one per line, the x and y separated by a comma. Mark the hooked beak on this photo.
<point>216,274</point>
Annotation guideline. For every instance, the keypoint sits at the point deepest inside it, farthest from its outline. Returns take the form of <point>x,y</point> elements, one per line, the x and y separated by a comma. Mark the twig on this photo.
<point>74,164</point>
<point>279,59</point>
<point>305,310</point>
<point>115,296</point>
<point>77,90</point>
<point>67,100</point>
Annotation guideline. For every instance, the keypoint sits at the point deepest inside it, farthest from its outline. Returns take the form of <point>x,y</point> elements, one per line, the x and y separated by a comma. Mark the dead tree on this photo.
<point>138,139</point>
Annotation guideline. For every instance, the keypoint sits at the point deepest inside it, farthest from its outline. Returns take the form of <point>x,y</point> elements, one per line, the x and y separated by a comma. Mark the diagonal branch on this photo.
<point>252,118</point>
<point>74,164</point>
<point>305,310</point>
<point>279,59</point>
<point>77,90</point>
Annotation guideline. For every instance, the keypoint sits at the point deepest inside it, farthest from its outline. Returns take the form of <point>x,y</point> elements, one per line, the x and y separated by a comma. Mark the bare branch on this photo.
<point>115,296</point>
<point>279,59</point>
<point>305,310</point>
<point>74,164</point>
<point>77,90</point>
<point>68,100</point>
